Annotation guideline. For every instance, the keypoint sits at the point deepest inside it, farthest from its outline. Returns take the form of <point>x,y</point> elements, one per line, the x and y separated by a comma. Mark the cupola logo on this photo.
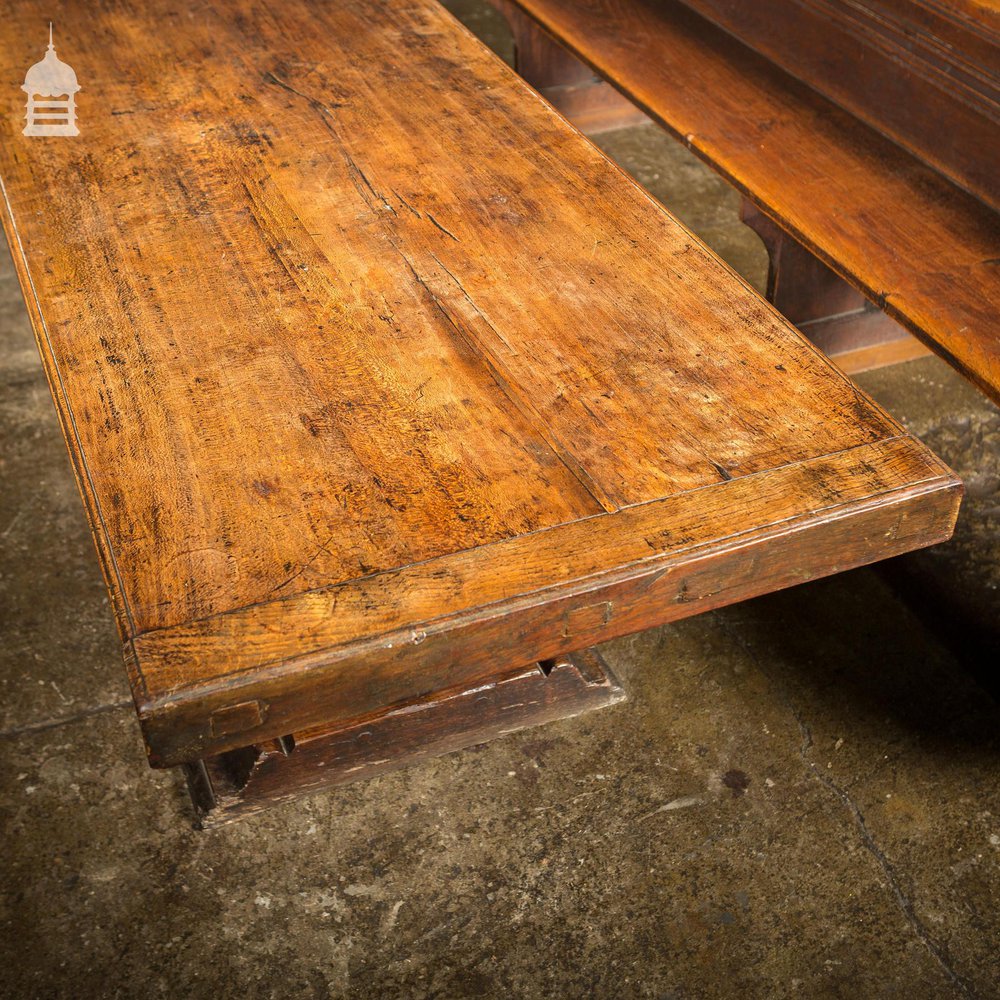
<point>51,88</point>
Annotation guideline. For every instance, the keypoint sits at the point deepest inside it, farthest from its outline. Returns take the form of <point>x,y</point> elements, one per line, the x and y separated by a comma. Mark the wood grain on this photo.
<point>372,369</point>
<point>921,248</point>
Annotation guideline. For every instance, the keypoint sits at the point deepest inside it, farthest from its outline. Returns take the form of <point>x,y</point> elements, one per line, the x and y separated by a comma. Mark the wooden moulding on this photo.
<point>240,782</point>
<point>255,673</point>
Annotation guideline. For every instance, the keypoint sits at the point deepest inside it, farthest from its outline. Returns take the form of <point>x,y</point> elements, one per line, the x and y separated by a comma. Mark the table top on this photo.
<point>377,376</point>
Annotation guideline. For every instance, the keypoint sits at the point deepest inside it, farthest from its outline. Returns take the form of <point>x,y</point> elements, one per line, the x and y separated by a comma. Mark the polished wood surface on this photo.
<point>378,379</point>
<point>921,248</point>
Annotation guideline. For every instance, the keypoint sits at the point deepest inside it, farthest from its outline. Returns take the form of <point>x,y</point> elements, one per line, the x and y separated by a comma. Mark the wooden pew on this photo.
<point>906,220</point>
<point>388,395</point>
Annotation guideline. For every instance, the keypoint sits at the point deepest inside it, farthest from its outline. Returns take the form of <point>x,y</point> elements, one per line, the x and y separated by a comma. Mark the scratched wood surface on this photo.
<point>374,372</point>
<point>924,250</point>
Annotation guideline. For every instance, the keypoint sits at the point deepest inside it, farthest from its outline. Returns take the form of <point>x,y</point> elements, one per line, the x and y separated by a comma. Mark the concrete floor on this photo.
<point>799,799</point>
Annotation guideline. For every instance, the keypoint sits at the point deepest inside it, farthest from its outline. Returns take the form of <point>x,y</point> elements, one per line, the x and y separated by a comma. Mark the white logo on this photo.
<point>51,88</point>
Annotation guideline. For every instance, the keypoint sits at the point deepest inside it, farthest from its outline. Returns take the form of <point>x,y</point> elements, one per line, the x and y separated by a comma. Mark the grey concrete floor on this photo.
<point>799,799</point>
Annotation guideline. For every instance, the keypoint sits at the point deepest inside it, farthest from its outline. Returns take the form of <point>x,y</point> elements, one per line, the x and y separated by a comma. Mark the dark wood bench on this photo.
<point>388,395</point>
<point>875,185</point>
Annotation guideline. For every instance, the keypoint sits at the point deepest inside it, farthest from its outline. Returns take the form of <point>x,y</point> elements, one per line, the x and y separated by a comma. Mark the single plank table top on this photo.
<point>377,377</point>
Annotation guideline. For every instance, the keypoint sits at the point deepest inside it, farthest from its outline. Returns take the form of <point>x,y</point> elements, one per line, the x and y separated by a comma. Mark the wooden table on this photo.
<point>381,383</point>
